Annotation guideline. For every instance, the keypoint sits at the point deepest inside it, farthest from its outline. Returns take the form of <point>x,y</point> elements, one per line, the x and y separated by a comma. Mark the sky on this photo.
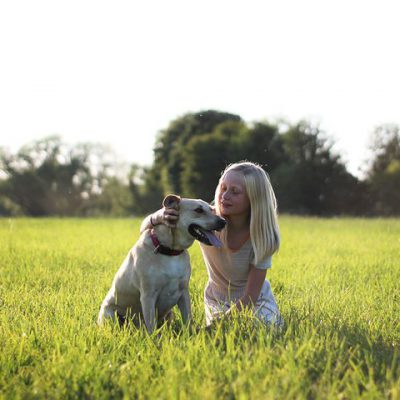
<point>118,72</point>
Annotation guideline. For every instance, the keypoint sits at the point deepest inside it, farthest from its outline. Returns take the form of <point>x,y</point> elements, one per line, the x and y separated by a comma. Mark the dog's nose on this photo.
<point>220,224</point>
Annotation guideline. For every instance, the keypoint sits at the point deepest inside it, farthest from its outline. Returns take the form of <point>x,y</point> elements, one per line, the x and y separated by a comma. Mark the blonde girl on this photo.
<point>237,271</point>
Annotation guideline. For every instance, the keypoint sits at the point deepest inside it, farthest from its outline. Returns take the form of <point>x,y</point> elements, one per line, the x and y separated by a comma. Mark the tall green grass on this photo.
<point>336,282</point>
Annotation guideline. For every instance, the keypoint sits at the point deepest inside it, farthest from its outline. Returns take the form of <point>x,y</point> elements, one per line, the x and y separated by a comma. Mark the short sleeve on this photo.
<point>264,264</point>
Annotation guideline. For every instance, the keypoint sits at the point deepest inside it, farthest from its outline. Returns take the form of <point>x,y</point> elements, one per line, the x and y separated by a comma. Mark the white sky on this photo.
<point>119,71</point>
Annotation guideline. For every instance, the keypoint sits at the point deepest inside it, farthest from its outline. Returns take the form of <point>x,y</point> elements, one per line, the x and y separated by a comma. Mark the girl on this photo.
<point>237,271</point>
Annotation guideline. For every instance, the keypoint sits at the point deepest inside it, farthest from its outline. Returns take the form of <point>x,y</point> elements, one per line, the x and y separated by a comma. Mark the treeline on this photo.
<point>49,178</point>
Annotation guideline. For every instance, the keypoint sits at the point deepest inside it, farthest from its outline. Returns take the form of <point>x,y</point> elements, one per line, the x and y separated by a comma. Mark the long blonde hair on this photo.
<point>264,228</point>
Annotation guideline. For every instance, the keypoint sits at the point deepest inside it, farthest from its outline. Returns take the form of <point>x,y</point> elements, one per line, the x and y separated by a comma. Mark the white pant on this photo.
<point>217,303</point>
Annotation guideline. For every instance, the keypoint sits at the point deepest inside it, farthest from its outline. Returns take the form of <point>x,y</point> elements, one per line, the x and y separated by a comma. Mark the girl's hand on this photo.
<point>166,216</point>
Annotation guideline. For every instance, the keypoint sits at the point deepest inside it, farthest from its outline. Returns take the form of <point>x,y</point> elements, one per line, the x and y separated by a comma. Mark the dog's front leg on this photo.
<point>184,307</point>
<point>148,302</point>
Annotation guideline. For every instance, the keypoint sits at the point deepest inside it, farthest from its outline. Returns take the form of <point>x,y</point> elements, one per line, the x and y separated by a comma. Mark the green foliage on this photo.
<point>335,280</point>
<point>385,146</point>
<point>47,177</point>
<point>8,207</point>
<point>204,159</point>
<point>313,179</point>
<point>146,189</point>
<point>170,148</point>
<point>115,199</point>
<point>264,145</point>
<point>39,182</point>
<point>307,176</point>
<point>206,156</point>
<point>383,173</point>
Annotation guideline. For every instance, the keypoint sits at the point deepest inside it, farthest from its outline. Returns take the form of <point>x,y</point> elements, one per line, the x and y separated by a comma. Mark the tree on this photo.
<point>145,188</point>
<point>307,175</point>
<point>312,180</point>
<point>205,157</point>
<point>114,200</point>
<point>208,155</point>
<point>170,148</point>
<point>383,173</point>
<point>264,145</point>
<point>47,177</point>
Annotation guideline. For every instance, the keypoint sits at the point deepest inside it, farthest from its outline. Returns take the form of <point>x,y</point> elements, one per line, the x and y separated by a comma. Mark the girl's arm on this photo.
<point>253,288</point>
<point>148,223</point>
<point>166,216</point>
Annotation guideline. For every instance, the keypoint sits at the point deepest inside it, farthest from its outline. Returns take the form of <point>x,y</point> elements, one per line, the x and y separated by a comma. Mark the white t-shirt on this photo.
<point>228,270</point>
<point>228,273</point>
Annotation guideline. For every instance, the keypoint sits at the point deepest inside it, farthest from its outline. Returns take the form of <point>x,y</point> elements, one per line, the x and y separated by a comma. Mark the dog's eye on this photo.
<point>199,210</point>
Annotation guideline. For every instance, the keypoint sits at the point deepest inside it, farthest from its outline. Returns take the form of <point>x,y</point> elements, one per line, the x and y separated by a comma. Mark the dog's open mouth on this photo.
<point>203,236</point>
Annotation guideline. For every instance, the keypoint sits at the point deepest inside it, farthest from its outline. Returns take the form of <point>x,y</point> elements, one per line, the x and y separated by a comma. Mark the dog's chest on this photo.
<point>173,273</point>
<point>172,288</point>
<point>172,280</point>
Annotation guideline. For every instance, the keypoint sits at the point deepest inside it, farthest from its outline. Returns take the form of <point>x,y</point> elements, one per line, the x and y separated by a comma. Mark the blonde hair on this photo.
<point>264,228</point>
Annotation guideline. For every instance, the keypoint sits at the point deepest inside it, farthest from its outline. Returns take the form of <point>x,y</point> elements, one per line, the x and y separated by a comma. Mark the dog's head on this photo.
<point>197,218</point>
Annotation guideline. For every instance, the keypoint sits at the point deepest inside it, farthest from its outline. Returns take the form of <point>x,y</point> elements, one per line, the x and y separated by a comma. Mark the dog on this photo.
<point>154,277</point>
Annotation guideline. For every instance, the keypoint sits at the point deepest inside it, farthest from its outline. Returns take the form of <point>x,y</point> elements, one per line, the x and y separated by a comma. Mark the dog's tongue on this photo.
<point>213,239</point>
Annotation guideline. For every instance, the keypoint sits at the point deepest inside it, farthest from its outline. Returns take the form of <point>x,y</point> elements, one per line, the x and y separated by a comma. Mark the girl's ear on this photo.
<point>171,201</point>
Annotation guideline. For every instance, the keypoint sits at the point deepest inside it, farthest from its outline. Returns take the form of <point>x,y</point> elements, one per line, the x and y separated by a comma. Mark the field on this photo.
<point>336,282</point>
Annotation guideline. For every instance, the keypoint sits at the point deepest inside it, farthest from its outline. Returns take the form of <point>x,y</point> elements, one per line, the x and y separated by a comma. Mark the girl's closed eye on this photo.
<point>236,190</point>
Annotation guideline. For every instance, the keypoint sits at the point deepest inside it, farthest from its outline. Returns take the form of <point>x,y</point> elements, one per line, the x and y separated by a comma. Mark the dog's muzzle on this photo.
<point>207,236</point>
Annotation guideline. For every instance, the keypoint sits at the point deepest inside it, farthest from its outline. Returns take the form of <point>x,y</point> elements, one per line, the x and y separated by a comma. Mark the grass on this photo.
<point>336,282</point>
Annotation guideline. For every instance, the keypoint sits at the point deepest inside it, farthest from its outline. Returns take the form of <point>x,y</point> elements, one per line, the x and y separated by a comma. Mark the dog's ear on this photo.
<point>172,201</point>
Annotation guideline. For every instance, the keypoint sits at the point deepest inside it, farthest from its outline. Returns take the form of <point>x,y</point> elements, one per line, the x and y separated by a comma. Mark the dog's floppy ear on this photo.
<point>172,201</point>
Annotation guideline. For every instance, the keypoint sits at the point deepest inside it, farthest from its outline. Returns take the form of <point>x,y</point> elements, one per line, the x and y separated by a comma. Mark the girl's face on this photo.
<point>232,195</point>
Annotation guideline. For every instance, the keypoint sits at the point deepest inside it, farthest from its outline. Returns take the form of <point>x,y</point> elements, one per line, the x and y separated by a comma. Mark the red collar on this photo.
<point>159,248</point>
